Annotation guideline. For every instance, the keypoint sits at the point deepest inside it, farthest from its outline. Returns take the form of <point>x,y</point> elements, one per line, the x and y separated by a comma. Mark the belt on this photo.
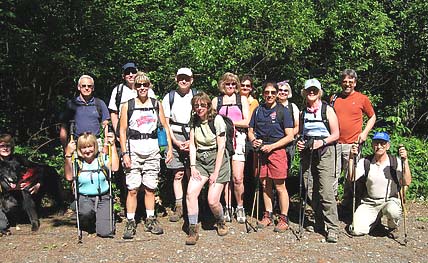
<point>205,150</point>
<point>143,136</point>
<point>243,130</point>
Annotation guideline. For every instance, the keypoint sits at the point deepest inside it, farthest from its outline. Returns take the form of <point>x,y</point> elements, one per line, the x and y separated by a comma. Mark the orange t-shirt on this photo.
<point>349,111</point>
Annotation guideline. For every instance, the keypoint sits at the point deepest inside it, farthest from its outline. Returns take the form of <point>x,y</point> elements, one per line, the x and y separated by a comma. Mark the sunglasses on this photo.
<point>283,90</point>
<point>246,85</point>
<point>87,86</point>
<point>129,71</point>
<point>382,143</point>
<point>5,146</point>
<point>313,90</point>
<point>145,85</point>
<point>269,92</point>
<point>181,78</point>
<point>201,105</point>
<point>230,84</point>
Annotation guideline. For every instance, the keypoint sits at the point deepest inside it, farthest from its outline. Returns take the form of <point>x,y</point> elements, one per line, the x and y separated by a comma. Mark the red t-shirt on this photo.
<point>349,111</point>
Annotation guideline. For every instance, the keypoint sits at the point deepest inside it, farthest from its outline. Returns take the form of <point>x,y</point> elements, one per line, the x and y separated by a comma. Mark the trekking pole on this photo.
<point>110,190</point>
<point>310,143</point>
<point>354,183</point>
<point>75,188</point>
<point>402,193</point>
<point>256,198</point>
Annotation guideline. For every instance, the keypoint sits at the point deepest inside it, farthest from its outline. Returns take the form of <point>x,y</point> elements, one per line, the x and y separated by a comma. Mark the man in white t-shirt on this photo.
<point>383,177</point>
<point>177,107</point>
<point>124,92</point>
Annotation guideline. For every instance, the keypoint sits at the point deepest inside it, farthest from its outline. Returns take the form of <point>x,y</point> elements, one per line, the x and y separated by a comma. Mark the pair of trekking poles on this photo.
<point>75,168</point>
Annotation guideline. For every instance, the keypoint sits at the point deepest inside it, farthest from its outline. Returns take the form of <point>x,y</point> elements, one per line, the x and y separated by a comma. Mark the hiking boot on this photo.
<point>222,229</point>
<point>393,233</point>
<point>228,214</point>
<point>240,215</point>
<point>130,229</point>
<point>282,224</point>
<point>331,237</point>
<point>177,214</point>
<point>266,220</point>
<point>152,225</point>
<point>193,235</point>
<point>35,225</point>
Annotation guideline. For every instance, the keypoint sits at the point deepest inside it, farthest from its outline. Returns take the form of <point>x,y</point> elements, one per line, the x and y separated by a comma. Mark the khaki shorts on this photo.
<point>205,163</point>
<point>144,170</point>
<point>178,157</point>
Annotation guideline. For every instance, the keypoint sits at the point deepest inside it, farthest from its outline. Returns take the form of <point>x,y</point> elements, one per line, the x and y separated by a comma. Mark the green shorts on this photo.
<point>205,163</point>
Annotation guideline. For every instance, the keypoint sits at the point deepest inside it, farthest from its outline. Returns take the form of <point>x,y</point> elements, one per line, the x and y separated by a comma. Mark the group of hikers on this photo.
<point>212,141</point>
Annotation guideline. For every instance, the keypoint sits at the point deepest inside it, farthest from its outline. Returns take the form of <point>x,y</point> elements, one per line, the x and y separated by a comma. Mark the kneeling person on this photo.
<point>383,181</point>
<point>94,201</point>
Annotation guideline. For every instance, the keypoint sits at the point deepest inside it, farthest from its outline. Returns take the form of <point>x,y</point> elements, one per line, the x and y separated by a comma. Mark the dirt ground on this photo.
<point>56,241</point>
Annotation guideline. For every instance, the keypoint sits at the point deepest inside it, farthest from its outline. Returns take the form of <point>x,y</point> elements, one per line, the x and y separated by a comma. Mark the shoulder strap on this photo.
<point>102,165</point>
<point>279,108</point>
<point>97,102</point>
<point>239,102</point>
<point>333,99</point>
<point>194,92</point>
<point>367,162</point>
<point>219,102</point>
<point>212,127</point>
<point>291,110</point>
<point>119,92</point>
<point>393,169</point>
<point>324,115</point>
<point>131,108</point>
<point>171,96</point>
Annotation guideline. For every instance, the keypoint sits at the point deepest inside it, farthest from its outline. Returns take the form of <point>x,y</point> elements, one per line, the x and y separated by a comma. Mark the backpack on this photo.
<point>118,98</point>
<point>291,110</point>
<point>230,134</point>
<point>131,109</point>
<point>335,97</point>
<point>220,103</point>
<point>324,118</point>
<point>392,169</point>
<point>101,167</point>
<point>171,96</point>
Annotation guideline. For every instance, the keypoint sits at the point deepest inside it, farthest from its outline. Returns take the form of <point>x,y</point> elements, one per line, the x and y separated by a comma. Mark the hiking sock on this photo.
<point>130,216</point>
<point>193,219</point>
<point>239,207</point>
<point>150,213</point>
<point>179,201</point>
<point>219,216</point>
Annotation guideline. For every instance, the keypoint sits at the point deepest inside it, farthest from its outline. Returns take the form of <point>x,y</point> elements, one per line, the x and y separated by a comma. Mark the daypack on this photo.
<point>392,169</point>
<point>324,118</point>
<point>335,97</point>
<point>131,109</point>
<point>171,96</point>
<point>230,134</point>
<point>220,103</point>
<point>291,110</point>
<point>101,168</point>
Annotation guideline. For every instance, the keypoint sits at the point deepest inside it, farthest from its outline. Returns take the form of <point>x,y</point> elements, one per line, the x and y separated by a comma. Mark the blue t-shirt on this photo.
<point>266,126</point>
<point>86,115</point>
<point>91,177</point>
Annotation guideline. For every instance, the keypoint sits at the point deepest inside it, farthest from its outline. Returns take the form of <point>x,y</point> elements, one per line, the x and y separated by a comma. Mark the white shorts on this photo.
<point>240,140</point>
<point>144,170</point>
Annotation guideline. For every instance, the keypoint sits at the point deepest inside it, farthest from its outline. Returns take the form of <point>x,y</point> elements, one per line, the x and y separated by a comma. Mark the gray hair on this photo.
<point>348,73</point>
<point>85,77</point>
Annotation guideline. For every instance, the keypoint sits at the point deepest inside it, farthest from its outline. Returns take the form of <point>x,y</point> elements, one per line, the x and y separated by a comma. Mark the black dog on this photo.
<point>17,177</point>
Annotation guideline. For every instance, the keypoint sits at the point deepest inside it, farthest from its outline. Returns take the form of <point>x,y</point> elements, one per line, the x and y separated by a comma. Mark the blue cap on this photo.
<point>128,65</point>
<point>381,136</point>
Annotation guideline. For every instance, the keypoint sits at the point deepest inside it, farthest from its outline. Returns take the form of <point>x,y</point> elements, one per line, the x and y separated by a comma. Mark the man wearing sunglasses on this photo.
<point>124,92</point>
<point>89,113</point>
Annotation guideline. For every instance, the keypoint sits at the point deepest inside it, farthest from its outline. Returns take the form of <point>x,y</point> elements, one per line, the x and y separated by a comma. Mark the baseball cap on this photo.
<point>312,83</point>
<point>381,136</point>
<point>185,71</point>
<point>128,65</point>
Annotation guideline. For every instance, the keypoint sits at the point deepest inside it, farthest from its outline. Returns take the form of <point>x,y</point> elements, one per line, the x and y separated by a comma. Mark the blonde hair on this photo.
<point>84,140</point>
<point>229,77</point>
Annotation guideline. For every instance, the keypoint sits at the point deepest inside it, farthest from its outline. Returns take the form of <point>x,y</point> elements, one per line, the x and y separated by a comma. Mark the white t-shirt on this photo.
<point>379,181</point>
<point>144,121</point>
<point>181,109</point>
<point>127,94</point>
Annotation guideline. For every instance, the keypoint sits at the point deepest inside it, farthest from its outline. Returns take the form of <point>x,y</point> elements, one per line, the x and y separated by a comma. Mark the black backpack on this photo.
<point>171,96</point>
<point>291,110</point>
<point>131,109</point>
<point>118,98</point>
<point>230,134</point>
<point>220,103</point>
<point>392,169</point>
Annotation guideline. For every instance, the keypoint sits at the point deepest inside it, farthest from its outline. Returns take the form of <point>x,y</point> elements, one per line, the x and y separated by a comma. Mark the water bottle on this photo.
<point>162,141</point>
